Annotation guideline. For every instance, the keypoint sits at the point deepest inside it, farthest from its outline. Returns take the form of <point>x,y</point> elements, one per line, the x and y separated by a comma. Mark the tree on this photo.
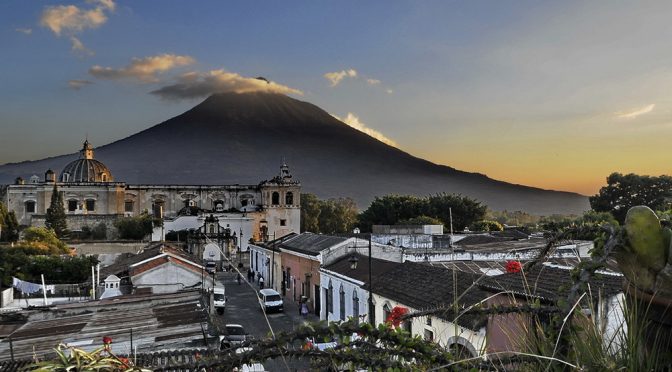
<point>421,220</point>
<point>390,209</point>
<point>337,215</point>
<point>486,225</point>
<point>134,228</point>
<point>464,210</point>
<point>55,218</point>
<point>625,191</point>
<point>9,226</point>
<point>41,240</point>
<point>310,213</point>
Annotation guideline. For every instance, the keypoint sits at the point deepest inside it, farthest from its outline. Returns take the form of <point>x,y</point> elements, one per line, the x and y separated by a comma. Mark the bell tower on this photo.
<point>87,151</point>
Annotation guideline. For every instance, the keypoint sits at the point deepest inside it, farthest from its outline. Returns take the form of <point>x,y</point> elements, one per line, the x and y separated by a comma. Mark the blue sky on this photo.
<point>549,94</point>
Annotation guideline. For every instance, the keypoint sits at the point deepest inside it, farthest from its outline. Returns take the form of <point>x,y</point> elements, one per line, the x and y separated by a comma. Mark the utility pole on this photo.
<point>371,310</point>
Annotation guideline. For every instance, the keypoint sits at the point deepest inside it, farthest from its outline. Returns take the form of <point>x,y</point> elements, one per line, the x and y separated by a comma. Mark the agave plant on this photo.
<point>69,358</point>
<point>646,255</point>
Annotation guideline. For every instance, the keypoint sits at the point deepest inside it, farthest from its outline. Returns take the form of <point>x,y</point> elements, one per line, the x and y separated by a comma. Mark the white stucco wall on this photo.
<point>445,333</point>
<point>349,287</point>
<point>169,278</point>
<point>235,222</point>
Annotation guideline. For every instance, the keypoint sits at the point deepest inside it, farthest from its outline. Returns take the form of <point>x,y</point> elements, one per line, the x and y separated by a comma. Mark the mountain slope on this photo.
<point>242,138</point>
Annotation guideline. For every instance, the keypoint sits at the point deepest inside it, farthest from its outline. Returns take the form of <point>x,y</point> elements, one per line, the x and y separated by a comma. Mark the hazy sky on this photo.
<point>555,94</point>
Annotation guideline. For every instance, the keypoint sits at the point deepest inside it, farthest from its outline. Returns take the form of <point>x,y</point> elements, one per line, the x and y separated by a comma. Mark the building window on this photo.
<point>128,206</point>
<point>65,177</point>
<point>30,206</point>
<point>330,298</point>
<point>157,208</point>
<point>103,177</point>
<point>289,198</point>
<point>429,320</point>
<point>355,306</point>
<point>283,222</point>
<point>407,326</point>
<point>275,198</point>
<point>90,205</point>
<point>429,335</point>
<point>219,206</point>
<point>341,299</point>
<point>72,205</point>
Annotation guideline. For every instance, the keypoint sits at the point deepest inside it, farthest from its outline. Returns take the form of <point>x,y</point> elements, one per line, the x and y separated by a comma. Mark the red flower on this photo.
<point>513,267</point>
<point>124,361</point>
<point>107,340</point>
<point>395,316</point>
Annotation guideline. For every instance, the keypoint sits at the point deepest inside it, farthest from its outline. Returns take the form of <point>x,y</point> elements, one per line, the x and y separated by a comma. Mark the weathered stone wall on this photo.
<point>107,247</point>
<point>76,222</point>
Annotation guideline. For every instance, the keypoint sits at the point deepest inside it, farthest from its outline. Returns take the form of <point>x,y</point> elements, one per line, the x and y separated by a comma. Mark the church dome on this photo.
<point>86,168</point>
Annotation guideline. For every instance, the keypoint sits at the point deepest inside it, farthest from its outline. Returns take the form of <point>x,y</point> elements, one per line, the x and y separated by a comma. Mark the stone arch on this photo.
<point>289,198</point>
<point>275,198</point>
<point>461,345</point>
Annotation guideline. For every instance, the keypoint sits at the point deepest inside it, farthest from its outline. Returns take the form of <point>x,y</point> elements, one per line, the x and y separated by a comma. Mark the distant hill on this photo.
<point>242,138</point>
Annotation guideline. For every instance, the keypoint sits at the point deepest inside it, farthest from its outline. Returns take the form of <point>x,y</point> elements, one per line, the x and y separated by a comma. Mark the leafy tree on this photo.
<point>465,210</point>
<point>41,240</point>
<point>134,228</point>
<point>421,220</point>
<point>55,218</point>
<point>337,215</point>
<point>515,218</point>
<point>486,225</point>
<point>9,226</point>
<point>625,191</point>
<point>390,209</point>
<point>310,213</point>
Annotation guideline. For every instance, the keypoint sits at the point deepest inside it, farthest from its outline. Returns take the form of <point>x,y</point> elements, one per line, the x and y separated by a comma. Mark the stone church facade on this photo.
<point>92,196</point>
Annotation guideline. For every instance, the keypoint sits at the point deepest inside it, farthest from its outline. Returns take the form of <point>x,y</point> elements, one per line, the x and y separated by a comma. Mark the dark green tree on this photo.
<point>486,225</point>
<point>310,213</point>
<point>390,209</point>
<point>625,191</point>
<point>55,218</point>
<point>464,210</point>
<point>134,228</point>
<point>421,220</point>
<point>337,216</point>
<point>9,226</point>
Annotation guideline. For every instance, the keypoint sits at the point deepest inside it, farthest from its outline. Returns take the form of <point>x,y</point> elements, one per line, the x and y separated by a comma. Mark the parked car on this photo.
<point>270,300</point>
<point>219,295</point>
<point>234,337</point>
<point>211,266</point>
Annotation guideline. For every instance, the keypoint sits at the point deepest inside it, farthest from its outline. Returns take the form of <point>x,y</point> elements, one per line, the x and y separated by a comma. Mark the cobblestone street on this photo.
<point>242,307</point>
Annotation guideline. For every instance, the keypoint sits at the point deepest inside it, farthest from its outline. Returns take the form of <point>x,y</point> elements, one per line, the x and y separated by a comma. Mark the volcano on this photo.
<point>235,138</point>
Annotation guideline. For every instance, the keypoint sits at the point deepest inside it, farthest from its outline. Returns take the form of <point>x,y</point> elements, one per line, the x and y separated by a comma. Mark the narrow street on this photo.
<point>242,307</point>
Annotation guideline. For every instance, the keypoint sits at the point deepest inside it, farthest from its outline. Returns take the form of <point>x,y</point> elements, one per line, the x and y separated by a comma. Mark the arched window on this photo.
<point>341,299</point>
<point>289,198</point>
<point>65,177</point>
<point>219,205</point>
<point>128,206</point>
<point>72,205</point>
<point>330,298</point>
<point>90,205</point>
<point>355,306</point>
<point>30,206</point>
<point>275,198</point>
<point>103,177</point>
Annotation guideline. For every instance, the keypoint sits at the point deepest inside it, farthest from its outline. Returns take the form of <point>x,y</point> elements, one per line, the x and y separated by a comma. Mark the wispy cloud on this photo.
<point>336,77</point>
<point>26,31</point>
<point>353,121</point>
<point>78,47</point>
<point>142,69</point>
<point>636,112</point>
<point>195,84</point>
<point>78,84</point>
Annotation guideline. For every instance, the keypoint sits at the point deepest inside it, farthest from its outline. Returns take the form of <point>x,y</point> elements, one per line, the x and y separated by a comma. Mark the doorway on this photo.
<point>317,300</point>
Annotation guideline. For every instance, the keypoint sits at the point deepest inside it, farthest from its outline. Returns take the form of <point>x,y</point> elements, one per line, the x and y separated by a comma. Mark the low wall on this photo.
<point>6,297</point>
<point>102,247</point>
<point>76,222</point>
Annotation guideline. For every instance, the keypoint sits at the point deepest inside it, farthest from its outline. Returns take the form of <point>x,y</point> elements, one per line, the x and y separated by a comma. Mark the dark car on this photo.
<point>235,335</point>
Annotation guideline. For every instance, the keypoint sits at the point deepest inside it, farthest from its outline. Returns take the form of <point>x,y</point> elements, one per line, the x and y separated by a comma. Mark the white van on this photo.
<point>219,295</point>
<point>270,299</point>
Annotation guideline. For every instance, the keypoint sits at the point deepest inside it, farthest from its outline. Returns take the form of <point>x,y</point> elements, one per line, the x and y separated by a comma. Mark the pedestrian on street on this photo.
<point>304,309</point>
<point>261,282</point>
